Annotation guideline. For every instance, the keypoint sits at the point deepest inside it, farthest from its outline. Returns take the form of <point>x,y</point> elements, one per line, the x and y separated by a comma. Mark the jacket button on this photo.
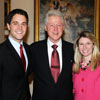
<point>82,79</point>
<point>82,90</point>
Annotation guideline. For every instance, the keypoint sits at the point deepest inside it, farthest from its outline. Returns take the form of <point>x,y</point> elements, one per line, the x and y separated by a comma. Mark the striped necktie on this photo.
<point>55,63</point>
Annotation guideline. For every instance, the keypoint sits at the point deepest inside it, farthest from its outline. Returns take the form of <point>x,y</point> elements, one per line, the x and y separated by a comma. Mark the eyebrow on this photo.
<point>18,22</point>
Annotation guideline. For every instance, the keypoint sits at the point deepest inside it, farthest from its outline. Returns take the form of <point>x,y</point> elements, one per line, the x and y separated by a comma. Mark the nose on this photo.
<point>19,26</point>
<point>55,28</point>
<point>84,46</point>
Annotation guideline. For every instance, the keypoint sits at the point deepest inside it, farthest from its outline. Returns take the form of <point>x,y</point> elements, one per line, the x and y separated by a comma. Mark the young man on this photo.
<point>15,60</point>
<point>52,77</point>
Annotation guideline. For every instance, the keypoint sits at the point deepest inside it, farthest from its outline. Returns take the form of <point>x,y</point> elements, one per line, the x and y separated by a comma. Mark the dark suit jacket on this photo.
<point>13,79</point>
<point>44,87</point>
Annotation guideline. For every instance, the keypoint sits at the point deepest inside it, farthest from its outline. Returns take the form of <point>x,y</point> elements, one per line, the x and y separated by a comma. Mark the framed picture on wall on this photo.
<point>79,15</point>
<point>7,7</point>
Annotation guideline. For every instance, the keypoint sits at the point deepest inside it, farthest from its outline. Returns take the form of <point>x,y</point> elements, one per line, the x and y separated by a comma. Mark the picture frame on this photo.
<point>37,19</point>
<point>7,8</point>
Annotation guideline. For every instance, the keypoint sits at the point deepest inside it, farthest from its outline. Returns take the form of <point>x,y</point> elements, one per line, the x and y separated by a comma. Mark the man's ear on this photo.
<point>8,26</point>
<point>45,27</point>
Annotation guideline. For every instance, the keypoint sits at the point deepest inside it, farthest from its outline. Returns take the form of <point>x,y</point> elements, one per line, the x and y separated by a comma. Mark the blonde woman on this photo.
<point>86,69</point>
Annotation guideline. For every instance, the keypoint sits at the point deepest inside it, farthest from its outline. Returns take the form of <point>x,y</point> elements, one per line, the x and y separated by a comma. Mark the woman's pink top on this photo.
<point>86,84</point>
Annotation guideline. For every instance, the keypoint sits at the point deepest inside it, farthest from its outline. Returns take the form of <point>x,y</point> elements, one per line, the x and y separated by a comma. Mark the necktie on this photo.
<point>24,61</point>
<point>55,64</point>
<point>22,57</point>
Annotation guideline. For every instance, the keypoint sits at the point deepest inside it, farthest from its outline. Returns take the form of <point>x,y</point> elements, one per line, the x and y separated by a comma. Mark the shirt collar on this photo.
<point>14,43</point>
<point>59,43</point>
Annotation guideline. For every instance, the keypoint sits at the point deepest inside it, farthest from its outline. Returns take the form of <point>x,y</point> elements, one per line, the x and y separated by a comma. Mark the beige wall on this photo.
<point>1,21</point>
<point>27,5</point>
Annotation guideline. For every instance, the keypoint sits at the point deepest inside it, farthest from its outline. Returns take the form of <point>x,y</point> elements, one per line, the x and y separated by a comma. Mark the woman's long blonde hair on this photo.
<point>78,56</point>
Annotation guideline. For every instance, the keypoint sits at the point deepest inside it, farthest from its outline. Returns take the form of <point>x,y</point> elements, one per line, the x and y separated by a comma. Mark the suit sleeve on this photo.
<point>31,69</point>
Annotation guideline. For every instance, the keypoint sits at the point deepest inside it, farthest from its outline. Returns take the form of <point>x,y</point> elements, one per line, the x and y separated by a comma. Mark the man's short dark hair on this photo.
<point>17,11</point>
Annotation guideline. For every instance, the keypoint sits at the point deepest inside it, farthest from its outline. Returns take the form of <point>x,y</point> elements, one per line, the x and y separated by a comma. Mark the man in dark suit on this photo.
<point>48,85</point>
<point>13,72</point>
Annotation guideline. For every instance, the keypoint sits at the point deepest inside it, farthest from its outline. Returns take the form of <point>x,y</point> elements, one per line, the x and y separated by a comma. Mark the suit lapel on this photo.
<point>63,54</point>
<point>67,59</point>
<point>46,60</point>
<point>64,59</point>
<point>45,54</point>
<point>28,56</point>
<point>14,54</point>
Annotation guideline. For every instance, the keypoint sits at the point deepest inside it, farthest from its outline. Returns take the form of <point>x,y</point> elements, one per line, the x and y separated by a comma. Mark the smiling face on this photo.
<point>54,28</point>
<point>85,47</point>
<point>17,27</point>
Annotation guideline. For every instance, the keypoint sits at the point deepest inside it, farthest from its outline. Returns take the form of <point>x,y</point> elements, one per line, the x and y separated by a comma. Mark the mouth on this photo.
<point>85,52</point>
<point>19,32</point>
<point>55,33</point>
